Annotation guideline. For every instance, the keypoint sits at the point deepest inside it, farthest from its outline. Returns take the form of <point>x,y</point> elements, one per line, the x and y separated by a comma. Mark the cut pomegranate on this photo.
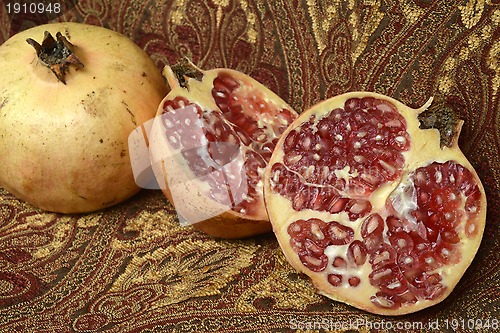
<point>217,132</point>
<point>364,192</point>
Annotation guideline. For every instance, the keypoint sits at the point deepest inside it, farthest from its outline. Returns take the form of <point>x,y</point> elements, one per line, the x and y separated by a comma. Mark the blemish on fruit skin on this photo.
<point>130,112</point>
<point>5,100</point>
<point>123,153</point>
<point>119,67</point>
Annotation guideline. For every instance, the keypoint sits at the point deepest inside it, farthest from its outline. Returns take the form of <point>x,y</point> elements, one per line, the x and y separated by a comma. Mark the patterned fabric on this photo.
<point>132,268</point>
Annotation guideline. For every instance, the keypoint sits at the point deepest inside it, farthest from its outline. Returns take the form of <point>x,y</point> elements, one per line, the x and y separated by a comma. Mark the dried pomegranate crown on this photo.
<point>56,54</point>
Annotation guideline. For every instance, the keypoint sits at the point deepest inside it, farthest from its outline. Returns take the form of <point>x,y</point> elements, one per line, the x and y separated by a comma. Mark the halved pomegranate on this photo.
<point>217,131</point>
<point>374,203</point>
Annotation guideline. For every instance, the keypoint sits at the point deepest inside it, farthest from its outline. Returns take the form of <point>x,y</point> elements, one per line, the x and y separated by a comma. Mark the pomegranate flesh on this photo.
<point>216,132</point>
<point>374,203</point>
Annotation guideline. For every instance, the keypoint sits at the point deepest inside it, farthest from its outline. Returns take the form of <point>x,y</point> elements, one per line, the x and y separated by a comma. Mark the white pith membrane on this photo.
<point>212,161</point>
<point>343,279</point>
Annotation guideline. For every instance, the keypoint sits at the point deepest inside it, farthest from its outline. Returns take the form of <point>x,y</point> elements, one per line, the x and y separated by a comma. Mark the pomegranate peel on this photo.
<point>405,202</point>
<point>216,132</point>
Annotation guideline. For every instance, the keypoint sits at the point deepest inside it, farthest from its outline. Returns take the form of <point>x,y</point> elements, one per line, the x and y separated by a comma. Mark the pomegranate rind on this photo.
<point>229,223</point>
<point>424,150</point>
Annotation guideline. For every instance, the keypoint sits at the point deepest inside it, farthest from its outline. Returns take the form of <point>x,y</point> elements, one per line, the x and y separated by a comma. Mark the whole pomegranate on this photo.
<point>209,150</point>
<point>67,106</point>
<point>375,202</point>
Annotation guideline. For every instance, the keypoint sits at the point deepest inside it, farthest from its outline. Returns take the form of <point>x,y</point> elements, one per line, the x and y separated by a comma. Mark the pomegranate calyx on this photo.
<point>442,117</point>
<point>184,70</point>
<point>56,54</point>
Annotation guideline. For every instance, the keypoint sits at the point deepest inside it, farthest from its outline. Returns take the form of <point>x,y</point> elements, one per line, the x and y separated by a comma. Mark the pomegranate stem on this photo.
<point>56,54</point>
<point>442,117</point>
<point>185,69</point>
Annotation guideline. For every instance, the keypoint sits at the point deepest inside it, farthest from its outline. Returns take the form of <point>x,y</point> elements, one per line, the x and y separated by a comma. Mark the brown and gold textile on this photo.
<point>132,268</point>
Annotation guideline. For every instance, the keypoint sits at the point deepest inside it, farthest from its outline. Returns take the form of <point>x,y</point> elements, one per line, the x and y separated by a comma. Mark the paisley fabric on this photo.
<point>132,268</point>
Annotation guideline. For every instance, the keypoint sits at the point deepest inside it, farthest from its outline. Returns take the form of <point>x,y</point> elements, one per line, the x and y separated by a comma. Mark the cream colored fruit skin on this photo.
<point>424,149</point>
<point>63,147</point>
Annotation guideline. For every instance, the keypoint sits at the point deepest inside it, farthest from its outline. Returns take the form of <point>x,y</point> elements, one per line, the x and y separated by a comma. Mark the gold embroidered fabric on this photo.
<point>132,268</point>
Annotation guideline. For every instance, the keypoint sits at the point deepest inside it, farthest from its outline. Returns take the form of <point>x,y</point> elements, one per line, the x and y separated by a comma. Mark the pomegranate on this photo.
<point>375,202</point>
<point>67,105</point>
<point>217,132</point>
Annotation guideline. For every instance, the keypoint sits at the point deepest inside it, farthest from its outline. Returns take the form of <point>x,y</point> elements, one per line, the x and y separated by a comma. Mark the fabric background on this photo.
<point>132,268</point>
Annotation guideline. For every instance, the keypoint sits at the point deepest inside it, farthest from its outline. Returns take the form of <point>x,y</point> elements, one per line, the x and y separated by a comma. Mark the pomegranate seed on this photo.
<point>407,297</point>
<point>299,200</point>
<point>450,236</point>
<point>435,291</point>
<point>367,103</point>
<point>296,245</point>
<point>315,264</point>
<point>354,281</point>
<point>335,279</point>
<point>339,234</point>
<point>312,247</point>
<point>385,301</point>
<point>358,208</point>
<point>428,286</point>
<point>382,256</point>
<point>356,253</point>
<point>471,229</point>
<point>447,254</point>
<point>408,262</point>
<point>428,261</point>
<point>295,229</point>
<point>352,104</point>
<point>381,275</point>
<point>373,242</point>
<point>225,81</point>
<point>401,241</point>
<point>472,203</point>
<point>395,224</point>
<point>372,225</point>
<point>395,283</point>
<point>339,262</point>
<point>337,205</point>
